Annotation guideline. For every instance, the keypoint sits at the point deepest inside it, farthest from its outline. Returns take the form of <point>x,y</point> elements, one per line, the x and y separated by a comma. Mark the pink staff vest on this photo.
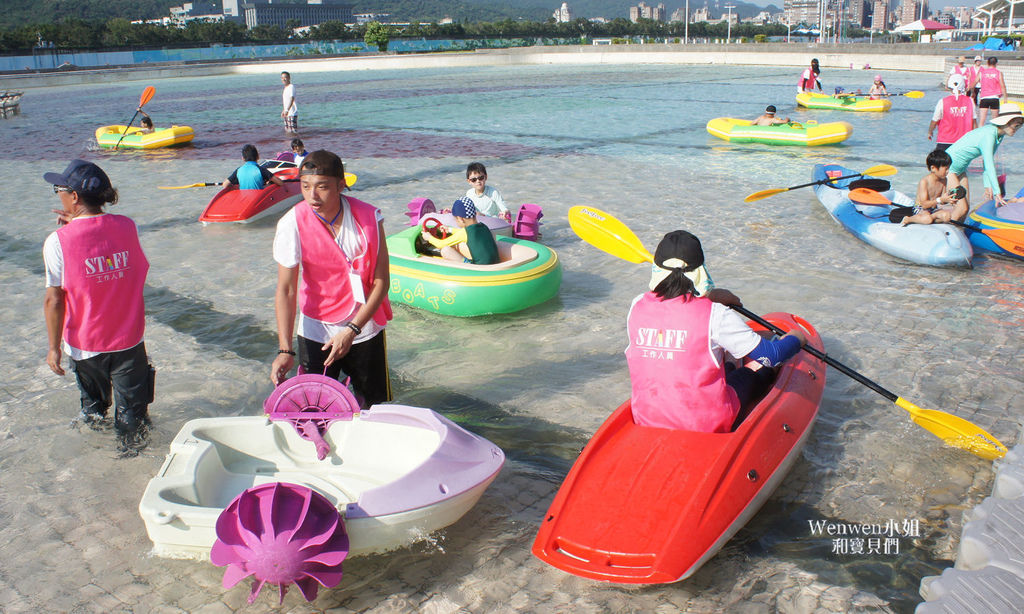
<point>325,293</point>
<point>677,381</point>
<point>965,71</point>
<point>104,275</point>
<point>808,80</point>
<point>990,83</point>
<point>972,74</point>
<point>957,118</point>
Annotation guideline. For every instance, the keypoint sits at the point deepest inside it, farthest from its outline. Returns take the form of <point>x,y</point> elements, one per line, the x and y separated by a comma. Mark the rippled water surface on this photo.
<point>629,140</point>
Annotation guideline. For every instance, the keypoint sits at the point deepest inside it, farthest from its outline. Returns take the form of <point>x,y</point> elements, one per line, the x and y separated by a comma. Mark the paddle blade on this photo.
<point>350,179</point>
<point>147,95</point>
<point>865,196</point>
<point>955,431</point>
<point>914,94</point>
<point>882,170</point>
<point>764,194</point>
<point>605,232</point>
<point>1009,239</point>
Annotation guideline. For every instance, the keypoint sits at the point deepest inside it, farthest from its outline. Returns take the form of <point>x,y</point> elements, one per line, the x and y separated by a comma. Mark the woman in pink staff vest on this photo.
<point>332,260</point>
<point>954,115</point>
<point>95,275</point>
<point>677,345</point>
<point>992,89</point>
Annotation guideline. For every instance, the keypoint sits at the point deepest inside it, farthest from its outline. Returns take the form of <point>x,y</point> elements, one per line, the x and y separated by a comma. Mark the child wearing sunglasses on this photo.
<point>487,199</point>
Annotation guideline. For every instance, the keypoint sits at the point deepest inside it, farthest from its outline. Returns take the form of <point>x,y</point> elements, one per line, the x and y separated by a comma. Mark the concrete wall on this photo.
<point>909,57</point>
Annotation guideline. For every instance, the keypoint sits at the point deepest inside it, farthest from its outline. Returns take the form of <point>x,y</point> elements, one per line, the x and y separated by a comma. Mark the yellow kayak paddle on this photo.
<point>605,232</point>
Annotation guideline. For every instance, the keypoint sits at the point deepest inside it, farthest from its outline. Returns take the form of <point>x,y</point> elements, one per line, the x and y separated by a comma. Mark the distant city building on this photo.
<point>445,21</point>
<point>678,15</point>
<point>909,12</point>
<point>642,11</point>
<point>311,14</point>
<point>701,14</point>
<point>802,11</point>
<point>860,13</point>
<point>563,14</point>
<point>880,16</point>
<point>231,8</point>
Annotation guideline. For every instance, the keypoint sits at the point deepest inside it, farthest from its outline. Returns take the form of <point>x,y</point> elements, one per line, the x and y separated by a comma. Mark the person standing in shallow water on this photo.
<point>290,110</point>
<point>94,309</point>
<point>332,260</point>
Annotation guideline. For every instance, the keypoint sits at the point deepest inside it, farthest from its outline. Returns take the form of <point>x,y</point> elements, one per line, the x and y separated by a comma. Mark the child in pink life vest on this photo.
<point>95,275</point>
<point>678,338</point>
<point>333,261</point>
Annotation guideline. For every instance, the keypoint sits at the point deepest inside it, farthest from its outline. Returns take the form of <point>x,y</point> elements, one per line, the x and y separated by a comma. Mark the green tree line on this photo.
<point>76,33</point>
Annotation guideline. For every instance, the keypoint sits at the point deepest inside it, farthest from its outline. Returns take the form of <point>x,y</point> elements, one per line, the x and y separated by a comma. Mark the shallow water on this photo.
<point>629,140</point>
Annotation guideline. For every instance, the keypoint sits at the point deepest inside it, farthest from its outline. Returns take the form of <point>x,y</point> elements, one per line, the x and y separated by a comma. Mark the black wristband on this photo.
<point>355,327</point>
<point>289,352</point>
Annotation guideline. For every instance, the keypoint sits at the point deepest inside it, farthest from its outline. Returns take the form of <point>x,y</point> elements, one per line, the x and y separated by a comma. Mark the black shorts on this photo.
<point>942,146</point>
<point>366,363</point>
<point>989,103</point>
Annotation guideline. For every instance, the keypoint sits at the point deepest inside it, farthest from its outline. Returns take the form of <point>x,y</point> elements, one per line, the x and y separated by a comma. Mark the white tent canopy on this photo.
<point>924,25</point>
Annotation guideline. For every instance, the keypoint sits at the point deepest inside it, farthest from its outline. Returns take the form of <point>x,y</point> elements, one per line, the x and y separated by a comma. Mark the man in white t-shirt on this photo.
<point>290,111</point>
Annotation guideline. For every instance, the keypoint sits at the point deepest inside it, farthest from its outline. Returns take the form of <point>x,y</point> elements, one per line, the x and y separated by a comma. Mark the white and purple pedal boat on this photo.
<point>395,474</point>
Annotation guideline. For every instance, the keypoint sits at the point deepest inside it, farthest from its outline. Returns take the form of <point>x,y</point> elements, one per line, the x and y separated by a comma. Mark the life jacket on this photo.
<point>104,276</point>
<point>957,118</point>
<point>989,83</point>
<point>325,293</point>
<point>677,381</point>
<point>250,176</point>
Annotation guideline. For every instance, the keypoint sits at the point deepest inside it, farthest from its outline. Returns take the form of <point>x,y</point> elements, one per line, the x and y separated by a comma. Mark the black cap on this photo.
<point>770,109</point>
<point>82,177</point>
<point>682,245</point>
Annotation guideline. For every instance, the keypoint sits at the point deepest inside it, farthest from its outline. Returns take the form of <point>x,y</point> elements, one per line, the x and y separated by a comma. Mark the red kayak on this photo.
<point>645,505</point>
<point>244,206</point>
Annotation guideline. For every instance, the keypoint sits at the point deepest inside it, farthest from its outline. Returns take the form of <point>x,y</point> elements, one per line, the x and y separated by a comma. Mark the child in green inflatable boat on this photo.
<point>472,242</point>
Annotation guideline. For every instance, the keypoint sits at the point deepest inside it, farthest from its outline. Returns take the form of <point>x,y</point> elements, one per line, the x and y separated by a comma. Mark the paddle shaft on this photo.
<point>820,355</point>
<point>824,181</point>
<point>127,127</point>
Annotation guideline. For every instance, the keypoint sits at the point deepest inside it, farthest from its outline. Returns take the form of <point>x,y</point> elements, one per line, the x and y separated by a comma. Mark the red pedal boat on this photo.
<point>646,505</point>
<point>244,206</point>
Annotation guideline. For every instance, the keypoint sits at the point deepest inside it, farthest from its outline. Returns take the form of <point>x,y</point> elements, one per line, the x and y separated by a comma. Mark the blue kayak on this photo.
<point>988,217</point>
<point>932,244</point>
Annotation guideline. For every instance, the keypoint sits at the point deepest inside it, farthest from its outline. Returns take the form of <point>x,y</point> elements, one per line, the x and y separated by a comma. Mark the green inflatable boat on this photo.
<point>528,274</point>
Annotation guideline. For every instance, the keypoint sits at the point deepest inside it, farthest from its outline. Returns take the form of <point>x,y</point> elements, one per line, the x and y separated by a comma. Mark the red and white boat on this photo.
<point>244,206</point>
<point>646,505</point>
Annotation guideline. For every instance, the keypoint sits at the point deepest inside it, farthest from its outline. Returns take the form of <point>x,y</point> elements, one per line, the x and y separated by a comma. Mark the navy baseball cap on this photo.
<point>82,177</point>
<point>464,207</point>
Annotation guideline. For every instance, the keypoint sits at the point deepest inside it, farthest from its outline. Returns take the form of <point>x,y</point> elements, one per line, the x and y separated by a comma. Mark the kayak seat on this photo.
<point>417,208</point>
<point>527,224</point>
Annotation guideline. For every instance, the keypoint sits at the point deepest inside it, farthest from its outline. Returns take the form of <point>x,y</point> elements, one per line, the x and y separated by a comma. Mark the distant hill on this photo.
<point>17,13</point>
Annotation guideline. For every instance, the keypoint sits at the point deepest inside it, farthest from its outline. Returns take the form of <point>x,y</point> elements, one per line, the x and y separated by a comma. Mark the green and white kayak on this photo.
<point>528,274</point>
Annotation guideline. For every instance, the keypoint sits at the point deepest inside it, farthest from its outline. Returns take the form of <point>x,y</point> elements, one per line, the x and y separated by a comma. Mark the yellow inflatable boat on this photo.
<point>808,134</point>
<point>108,136</point>
<point>842,102</point>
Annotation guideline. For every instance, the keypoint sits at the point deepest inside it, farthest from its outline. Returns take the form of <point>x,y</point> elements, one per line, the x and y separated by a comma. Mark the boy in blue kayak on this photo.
<point>472,242</point>
<point>251,176</point>
<point>933,202</point>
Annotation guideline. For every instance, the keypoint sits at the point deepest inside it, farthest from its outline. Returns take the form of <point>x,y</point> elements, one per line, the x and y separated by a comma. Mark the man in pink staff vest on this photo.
<point>954,116</point>
<point>333,260</point>
<point>95,275</point>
